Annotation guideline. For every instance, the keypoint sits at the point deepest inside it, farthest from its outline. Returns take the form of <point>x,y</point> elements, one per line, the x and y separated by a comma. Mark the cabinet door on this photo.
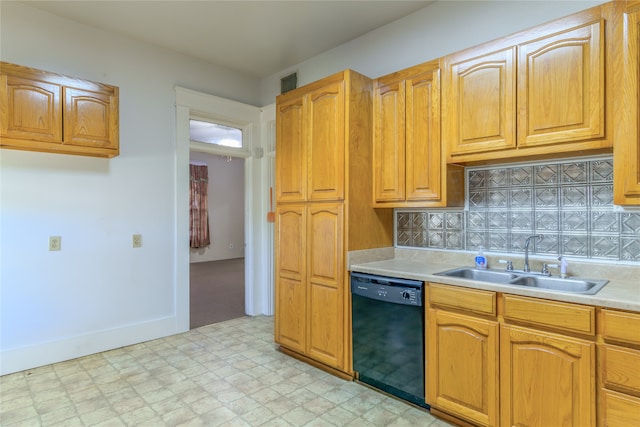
<point>546,379</point>
<point>462,364</point>
<point>423,154</point>
<point>30,109</point>
<point>290,289</point>
<point>626,155</point>
<point>481,102</point>
<point>90,118</point>
<point>561,87</point>
<point>326,127</point>
<point>326,285</point>
<point>291,152</point>
<point>389,142</point>
<point>619,410</point>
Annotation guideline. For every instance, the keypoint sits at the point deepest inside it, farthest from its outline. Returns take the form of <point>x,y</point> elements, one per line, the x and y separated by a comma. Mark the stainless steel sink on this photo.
<point>493,276</point>
<point>571,285</point>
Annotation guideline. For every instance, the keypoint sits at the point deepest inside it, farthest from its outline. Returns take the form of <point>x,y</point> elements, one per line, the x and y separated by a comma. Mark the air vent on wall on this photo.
<point>289,82</point>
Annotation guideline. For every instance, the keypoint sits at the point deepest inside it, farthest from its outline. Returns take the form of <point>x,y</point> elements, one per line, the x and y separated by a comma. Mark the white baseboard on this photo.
<point>40,354</point>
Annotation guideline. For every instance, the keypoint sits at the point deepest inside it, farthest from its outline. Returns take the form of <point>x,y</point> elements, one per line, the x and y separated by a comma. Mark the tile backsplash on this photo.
<point>569,202</point>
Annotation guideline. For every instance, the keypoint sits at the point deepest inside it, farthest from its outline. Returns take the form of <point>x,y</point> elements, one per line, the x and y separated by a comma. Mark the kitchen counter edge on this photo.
<point>617,294</point>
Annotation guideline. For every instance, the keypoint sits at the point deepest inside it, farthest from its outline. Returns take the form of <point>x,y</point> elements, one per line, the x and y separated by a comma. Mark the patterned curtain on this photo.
<point>199,218</point>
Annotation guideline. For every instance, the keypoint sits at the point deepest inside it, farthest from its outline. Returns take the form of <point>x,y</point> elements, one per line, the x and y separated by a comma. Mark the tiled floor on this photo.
<point>225,374</point>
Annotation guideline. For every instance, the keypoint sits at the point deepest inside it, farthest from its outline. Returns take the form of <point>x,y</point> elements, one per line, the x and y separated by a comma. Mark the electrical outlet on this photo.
<point>230,245</point>
<point>137,240</point>
<point>55,243</point>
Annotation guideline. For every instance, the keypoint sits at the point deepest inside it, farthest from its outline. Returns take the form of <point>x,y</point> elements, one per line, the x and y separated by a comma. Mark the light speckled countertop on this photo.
<point>622,291</point>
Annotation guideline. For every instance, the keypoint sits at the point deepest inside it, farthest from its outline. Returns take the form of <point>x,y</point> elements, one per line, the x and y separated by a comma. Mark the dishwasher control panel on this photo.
<point>388,289</point>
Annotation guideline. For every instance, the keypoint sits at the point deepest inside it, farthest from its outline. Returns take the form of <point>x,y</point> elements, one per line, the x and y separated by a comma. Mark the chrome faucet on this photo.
<point>526,267</point>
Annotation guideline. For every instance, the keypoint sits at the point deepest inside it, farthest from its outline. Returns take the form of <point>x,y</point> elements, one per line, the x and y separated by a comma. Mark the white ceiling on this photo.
<point>258,38</point>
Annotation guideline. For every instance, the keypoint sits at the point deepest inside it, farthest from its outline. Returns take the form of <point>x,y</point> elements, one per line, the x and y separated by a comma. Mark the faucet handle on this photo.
<point>546,267</point>
<point>509,264</point>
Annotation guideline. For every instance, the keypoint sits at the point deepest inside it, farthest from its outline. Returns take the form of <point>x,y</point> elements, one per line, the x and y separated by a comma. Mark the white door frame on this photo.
<point>190,103</point>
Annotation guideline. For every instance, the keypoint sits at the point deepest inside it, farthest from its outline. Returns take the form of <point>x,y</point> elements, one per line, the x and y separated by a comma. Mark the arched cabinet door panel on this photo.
<point>326,127</point>
<point>291,149</point>
<point>561,87</point>
<point>291,282</point>
<point>480,102</point>
<point>626,156</point>
<point>462,366</point>
<point>546,370</point>
<point>326,283</point>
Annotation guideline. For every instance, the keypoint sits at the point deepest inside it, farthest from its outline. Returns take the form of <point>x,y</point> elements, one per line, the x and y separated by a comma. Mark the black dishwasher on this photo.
<point>388,335</point>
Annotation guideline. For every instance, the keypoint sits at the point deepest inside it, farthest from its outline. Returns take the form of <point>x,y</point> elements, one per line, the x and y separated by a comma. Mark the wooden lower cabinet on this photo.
<point>326,292</point>
<point>291,281</point>
<point>619,369</point>
<point>462,370</point>
<point>546,379</point>
<point>619,409</point>
<point>506,360</point>
<point>310,293</point>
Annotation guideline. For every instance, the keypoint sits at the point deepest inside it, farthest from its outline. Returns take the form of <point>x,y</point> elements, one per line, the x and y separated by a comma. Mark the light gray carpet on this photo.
<point>217,291</point>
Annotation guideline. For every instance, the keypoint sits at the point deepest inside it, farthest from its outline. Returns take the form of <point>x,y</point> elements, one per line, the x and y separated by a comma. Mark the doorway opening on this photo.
<point>200,106</point>
<point>216,270</point>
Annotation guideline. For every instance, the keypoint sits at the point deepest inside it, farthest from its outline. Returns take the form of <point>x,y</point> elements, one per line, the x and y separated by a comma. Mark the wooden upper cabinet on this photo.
<point>291,161</point>
<point>409,169</point>
<point>326,127</point>
<point>42,111</point>
<point>389,141</point>
<point>30,109</point>
<point>540,92</point>
<point>423,151</point>
<point>480,102</point>
<point>90,119</point>
<point>310,138</point>
<point>561,86</point>
<point>626,155</point>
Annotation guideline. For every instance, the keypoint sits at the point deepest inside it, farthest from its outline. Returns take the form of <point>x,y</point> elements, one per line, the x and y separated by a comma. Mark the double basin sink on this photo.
<point>531,280</point>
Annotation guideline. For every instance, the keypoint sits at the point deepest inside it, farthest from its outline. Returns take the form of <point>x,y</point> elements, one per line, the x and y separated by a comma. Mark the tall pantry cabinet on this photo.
<point>323,190</point>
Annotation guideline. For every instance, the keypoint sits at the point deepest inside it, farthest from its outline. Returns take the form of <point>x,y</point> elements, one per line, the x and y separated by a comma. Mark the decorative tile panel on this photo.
<point>521,220</point>
<point>570,202</point>
<point>477,199</point>
<point>498,177</point>
<point>573,196</point>
<point>546,198</point>
<point>521,176</point>
<point>575,245</point>
<point>546,221</point>
<point>546,174</point>
<point>477,179</point>
<point>601,171</point>
<point>573,173</point>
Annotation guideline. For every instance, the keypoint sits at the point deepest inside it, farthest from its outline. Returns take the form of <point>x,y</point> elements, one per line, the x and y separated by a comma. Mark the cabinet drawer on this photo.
<point>474,300</point>
<point>553,314</point>
<point>621,326</point>
<point>620,369</point>
<point>619,410</point>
